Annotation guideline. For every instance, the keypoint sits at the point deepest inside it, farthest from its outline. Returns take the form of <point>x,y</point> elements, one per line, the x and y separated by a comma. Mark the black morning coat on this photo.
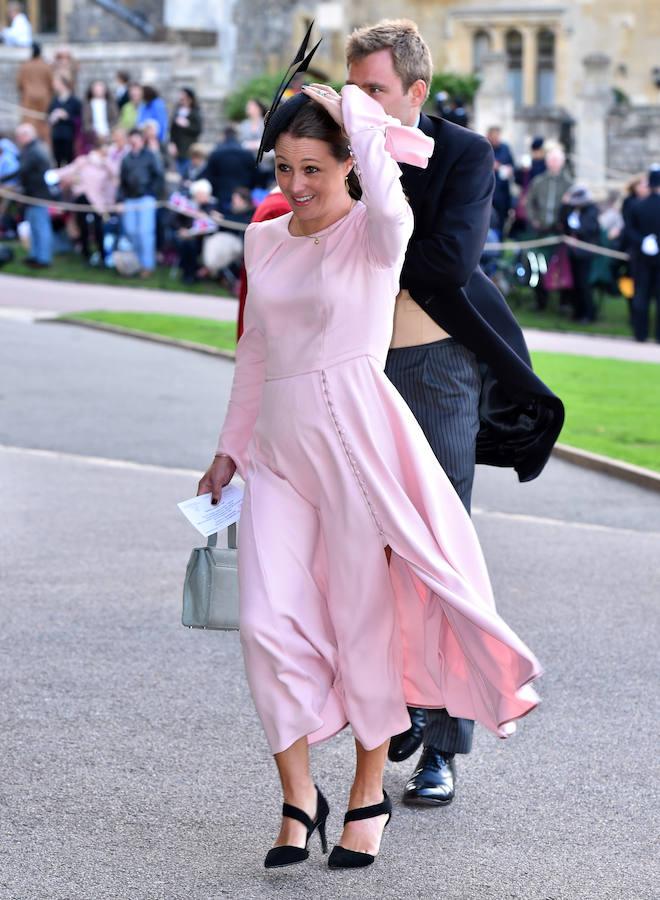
<point>451,200</point>
<point>644,219</point>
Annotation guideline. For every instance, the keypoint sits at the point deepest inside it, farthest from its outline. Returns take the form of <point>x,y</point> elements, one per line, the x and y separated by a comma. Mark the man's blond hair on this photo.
<point>411,56</point>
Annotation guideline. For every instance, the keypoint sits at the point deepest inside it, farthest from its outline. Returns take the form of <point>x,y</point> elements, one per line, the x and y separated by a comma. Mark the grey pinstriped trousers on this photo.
<point>441,384</point>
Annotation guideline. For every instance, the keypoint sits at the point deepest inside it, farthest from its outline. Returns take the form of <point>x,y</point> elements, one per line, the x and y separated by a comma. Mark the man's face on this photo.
<point>554,161</point>
<point>494,136</point>
<point>374,74</point>
<point>23,136</point>
<point>137,142</point>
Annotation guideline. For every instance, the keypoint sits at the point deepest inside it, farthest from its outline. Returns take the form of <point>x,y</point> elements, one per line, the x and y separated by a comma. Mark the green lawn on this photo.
<point>221,335</point>
<point>612,315</point>
<point>72,267</point>
<point>611,405</point>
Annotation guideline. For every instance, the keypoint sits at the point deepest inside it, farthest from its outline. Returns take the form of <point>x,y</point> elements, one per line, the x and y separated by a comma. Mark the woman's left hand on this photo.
<point>326,97</point>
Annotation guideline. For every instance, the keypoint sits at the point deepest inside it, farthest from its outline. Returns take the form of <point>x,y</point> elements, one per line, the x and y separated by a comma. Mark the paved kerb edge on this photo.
<point>140,335</point>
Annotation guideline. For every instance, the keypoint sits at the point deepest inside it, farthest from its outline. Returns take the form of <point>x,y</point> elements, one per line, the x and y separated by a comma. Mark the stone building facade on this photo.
<point>547,66</point>
<point>167,43</point>
<point>532,55</point>
<point>544,41</point>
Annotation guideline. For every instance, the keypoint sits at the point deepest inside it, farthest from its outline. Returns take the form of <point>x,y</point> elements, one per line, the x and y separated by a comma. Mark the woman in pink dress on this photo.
<point>363,588</point>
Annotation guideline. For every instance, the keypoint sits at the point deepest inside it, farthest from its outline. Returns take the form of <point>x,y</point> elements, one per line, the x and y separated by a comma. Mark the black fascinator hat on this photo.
<point>280,114</point>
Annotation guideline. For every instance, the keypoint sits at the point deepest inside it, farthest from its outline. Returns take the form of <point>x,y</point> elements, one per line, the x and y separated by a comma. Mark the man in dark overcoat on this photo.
<point>458,356</point>
<point>644,233</point>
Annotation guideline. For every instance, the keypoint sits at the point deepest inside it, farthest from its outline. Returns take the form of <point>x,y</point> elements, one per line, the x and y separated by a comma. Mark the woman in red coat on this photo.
<point>274,205</point>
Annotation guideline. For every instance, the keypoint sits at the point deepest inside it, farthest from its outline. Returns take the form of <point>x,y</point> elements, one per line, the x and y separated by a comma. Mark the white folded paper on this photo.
<point>208,519</point>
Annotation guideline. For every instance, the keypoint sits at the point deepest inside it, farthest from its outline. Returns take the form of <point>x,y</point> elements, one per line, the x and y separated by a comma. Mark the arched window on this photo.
<point>545,68</point>
<point>480,47</point>
<point>513,43</point>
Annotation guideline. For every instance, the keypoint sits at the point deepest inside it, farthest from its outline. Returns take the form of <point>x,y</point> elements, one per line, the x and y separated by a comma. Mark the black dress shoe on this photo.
<point>405,744</point>
<point>432,782</point>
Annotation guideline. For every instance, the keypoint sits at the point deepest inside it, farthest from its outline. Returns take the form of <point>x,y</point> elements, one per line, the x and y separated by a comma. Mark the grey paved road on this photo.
<point>133,765</point>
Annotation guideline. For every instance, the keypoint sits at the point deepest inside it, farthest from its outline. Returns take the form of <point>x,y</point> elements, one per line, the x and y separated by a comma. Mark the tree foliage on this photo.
<point>263,87</point>
<point>462,86</point>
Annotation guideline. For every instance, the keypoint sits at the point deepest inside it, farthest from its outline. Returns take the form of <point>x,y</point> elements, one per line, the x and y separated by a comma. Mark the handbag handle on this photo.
<point>232,543</point>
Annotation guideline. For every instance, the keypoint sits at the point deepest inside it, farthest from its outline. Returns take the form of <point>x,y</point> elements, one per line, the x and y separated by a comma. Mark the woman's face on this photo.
<point>135,93</point>
<point>252,110</point>
<point>309,176</point>
<point>184,99</point>
<point>642,188</point>
<point>98,89</point>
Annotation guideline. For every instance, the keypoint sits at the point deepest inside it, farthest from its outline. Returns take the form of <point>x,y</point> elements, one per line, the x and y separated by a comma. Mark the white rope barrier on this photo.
<point>23,110</point>
<point>64,206</point>
<point>531,244</point>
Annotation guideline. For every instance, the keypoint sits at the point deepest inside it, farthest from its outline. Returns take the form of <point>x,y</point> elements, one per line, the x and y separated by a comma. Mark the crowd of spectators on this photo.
<point>540,199</point>
<point>148,188</point>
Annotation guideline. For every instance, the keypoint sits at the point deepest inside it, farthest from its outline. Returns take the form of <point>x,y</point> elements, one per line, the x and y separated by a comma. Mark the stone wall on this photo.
<point>633,142</point>
<point>89,22</point>
<point>167,66</point>
<point>269,31</point>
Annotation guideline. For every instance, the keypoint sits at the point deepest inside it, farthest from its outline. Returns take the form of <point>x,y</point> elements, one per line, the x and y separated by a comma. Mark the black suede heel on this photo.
<point>286,855</point>
<point>341,858</point>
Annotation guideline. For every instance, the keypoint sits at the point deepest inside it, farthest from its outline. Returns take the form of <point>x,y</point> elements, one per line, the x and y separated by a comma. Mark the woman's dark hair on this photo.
<point>192,96</point>
<point>149,93</point>
<point>261,106</point>
<point>90,90</point>
<point>312,121</point>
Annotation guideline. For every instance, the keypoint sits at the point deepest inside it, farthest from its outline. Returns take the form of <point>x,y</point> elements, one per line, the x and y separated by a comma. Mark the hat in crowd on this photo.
<point>537,142</point>
<point>579,195</point>
<point>280,114</point>
<point>654,177</point>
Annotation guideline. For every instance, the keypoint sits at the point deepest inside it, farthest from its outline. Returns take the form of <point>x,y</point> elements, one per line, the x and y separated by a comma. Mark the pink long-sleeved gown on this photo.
<point>337,468</point>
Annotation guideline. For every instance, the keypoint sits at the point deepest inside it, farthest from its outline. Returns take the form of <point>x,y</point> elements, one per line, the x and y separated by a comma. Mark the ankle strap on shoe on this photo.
<point>292,812</point>
<point>370,812</point>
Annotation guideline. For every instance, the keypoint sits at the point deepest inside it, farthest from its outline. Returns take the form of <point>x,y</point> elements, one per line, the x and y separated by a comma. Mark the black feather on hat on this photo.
<point>279,116</point>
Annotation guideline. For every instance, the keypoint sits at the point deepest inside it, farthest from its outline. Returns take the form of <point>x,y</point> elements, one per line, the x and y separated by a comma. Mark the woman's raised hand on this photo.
<point>327,97</point>
<point>219,473</point>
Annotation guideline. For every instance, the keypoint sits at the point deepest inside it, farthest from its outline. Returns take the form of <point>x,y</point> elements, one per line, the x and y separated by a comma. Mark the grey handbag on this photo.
<point>210,590</point>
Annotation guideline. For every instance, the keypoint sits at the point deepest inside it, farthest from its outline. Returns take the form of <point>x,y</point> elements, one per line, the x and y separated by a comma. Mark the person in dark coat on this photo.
<point>140,184</point>
<point>185,128</point>
<point>456,113</point>
<point>122,83</point>
<point>64,114</point>
<point>468,378</point>
<point>579,219</point>
<point>504,167</point>
<point>644,230</point>
<point>228,167</point>
<point>33,164</point>
<point>636,189</point>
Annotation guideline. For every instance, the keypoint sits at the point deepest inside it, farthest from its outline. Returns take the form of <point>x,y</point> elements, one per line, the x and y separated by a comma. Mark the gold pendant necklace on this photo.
<point>331,228</point>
